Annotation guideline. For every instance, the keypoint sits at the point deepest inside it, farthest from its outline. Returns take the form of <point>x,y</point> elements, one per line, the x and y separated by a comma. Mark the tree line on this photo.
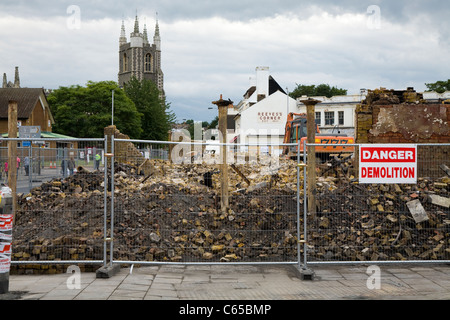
<point>139,110</point>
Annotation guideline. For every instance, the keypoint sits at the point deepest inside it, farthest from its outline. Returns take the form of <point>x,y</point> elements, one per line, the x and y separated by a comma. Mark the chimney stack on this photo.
<point>17,79</point>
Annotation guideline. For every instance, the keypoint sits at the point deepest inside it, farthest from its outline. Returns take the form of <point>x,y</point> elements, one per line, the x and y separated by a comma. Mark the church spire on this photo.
<point>145,34</point>
<point>136,25</point>
<point>123,36</point>
<point>157,37</point>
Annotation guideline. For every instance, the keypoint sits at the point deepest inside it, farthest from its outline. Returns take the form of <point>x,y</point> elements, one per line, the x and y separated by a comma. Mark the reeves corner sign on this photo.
<point>388,163</point>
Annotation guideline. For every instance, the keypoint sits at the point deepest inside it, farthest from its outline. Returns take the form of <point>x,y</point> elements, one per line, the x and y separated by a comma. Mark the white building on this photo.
<point>335,114</point>
<point>262,114</point>
<point>434,97</point>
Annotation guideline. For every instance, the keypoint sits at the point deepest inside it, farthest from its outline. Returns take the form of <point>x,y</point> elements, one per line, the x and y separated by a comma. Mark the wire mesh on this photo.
<point>60,203</point>
<point>379,222</point>
<point>169,208</point>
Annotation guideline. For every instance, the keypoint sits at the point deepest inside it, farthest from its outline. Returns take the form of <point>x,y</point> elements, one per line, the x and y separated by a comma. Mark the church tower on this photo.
<point>139,58</point>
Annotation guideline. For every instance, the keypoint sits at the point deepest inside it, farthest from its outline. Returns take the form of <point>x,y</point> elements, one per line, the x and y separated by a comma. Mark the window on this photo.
<point>319,118</point>
<point>341,118</point>
<point>148,62</point>
<point>125,62</point>
<point>329,118</point>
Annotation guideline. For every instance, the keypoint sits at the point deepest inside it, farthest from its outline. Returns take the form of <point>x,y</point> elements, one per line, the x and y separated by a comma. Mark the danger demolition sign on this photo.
<point>388,163</point>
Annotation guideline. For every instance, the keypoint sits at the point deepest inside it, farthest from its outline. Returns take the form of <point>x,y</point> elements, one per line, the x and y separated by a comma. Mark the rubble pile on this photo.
<point>382,222</point>
<point>173,214</point>
<point>169,215</point>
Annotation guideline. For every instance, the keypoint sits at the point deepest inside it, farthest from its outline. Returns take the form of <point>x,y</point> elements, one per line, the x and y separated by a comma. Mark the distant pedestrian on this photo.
<point>26,164</point>
<point>71,165</point>
<point>98,157</point>
<point>6,170</point>
<point>63,168</point>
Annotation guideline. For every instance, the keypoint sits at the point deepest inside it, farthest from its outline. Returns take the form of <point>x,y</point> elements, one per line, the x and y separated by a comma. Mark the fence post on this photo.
<point>105,204</point>
<point>108,271</point>
<point>111,245</point>
<point>298,206</point>
<point>306,273</point>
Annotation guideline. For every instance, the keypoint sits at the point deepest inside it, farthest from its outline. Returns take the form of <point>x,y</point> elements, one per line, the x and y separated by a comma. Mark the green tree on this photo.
<point>157,118</point>
<point>214,123</point>
<point>191,126</point>
<point>319,90</point>
<point>439,86</point>
<point>84,112</point>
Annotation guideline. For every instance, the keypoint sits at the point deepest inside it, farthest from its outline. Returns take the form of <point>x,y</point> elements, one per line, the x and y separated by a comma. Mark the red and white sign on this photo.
<point>5,248</point>
<point>388,163</point>
<point>5,263</point>
<point>6,222</point>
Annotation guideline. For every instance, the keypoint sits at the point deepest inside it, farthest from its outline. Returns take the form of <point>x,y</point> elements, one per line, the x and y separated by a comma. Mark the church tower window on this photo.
<point>125,62</point>
<point>148,62</point>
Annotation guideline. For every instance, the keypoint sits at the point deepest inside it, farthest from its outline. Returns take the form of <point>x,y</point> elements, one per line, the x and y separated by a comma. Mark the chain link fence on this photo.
<point>162,202</point>
<point>170,209</point>
<point>357,222</point>
<point>60,204</point>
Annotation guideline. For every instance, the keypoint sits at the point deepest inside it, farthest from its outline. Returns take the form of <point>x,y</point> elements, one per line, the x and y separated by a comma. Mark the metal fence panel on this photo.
<point>161,202</point>
<point>174,214</point>
<point>60,213</point>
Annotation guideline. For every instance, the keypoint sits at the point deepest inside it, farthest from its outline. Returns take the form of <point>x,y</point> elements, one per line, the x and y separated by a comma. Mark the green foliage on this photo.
<point>157,117</point>
<point>84,112</point>
<point>319,90</point>
<point>214,123</point>
<point>439,86</point>
<point>204,124</point>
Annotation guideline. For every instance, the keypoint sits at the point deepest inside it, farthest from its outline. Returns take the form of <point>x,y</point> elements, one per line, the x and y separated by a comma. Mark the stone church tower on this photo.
<point>139,58</point>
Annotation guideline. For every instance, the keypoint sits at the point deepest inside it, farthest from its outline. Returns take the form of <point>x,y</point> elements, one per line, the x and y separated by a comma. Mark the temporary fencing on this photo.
<point>391,222</point>
<point>175,212</point>
<point>59,211</point>
<point>165,202</point>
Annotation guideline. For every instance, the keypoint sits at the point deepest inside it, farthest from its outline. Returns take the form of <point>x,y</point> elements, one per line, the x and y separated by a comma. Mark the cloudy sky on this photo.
<point>213,47</point>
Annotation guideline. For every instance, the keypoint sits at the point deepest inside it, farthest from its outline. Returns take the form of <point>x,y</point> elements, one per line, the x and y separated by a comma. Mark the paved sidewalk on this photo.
<point>240,282</point>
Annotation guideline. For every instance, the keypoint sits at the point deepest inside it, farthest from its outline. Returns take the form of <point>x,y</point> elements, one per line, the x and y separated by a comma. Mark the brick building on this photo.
<point>32,108</point>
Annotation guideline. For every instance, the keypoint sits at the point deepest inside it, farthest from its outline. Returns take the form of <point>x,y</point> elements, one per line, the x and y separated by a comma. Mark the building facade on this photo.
<point>262,114</point>
<point>32,108</point>
<point>335,114</point>
<point>139,58</point>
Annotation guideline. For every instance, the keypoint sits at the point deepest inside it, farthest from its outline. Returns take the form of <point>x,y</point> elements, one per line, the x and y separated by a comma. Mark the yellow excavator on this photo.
<point>296,131</point>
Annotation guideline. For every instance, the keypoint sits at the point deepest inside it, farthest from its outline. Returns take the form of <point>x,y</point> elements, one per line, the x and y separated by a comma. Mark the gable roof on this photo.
<point>26,98</point>
<point>274,86</point>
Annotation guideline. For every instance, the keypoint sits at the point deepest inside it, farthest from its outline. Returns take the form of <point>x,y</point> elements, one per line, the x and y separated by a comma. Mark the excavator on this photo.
<point>296,130</point>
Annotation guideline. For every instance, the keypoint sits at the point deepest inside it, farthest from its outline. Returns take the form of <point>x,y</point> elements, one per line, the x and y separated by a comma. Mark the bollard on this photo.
<point>5,262</point>
<point>6,224</point>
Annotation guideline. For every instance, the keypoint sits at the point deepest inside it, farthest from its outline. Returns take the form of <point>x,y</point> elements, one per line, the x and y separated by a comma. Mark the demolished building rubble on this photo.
<point>173,216</point>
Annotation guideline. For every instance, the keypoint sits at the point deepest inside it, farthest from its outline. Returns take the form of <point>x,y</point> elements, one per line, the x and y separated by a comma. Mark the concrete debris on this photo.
<point>440,201</point>
<point>417,211</point>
